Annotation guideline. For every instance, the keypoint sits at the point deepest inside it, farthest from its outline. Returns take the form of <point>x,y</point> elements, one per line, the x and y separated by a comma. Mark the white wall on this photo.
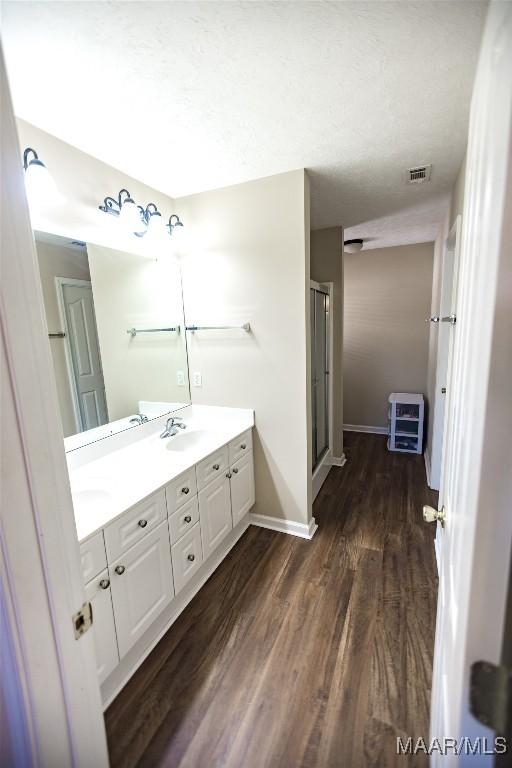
<point>131,291</point>
<point>59,261</point>
<point>249,262</point>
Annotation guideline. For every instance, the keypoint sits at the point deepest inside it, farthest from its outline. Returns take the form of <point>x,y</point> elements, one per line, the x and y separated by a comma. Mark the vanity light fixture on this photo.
<point>127,211</point>
<point>138,220</point>
<point>41,187</point>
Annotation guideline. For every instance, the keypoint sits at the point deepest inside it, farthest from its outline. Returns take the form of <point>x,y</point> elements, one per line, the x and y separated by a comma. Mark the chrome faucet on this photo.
<point>173,425</point>
<point>139,419</point>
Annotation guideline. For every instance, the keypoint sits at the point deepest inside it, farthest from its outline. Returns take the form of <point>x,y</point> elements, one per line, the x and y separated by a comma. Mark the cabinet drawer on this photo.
<point>181,490</point>
<point>187,556</point>
<point>133,525</point>
<point>240,446</point>
<point>183,519</point>
<point>93,556</point>
<point>212,467</point>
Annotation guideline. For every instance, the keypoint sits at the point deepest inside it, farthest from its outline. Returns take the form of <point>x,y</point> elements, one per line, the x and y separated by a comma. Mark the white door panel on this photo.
<point>215,514</point>
<point>142,586</point>
<point>85,353</point>
<point>104,631</point>
<point>242,487</point>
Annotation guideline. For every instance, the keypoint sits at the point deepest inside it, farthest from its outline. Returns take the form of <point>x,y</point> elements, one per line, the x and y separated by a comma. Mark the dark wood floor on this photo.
<point>296,653</point>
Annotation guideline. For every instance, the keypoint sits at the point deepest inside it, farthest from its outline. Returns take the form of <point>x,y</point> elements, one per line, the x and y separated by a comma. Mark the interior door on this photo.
<point>476,482</point>
<point>85,354</point>
<point>320,371</point>
<point>446,335</point>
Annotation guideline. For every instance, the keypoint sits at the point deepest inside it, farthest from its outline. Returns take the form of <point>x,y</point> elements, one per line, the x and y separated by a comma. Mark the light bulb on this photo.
<point>40,185</point>
<point>130,219</point>
<point>156,231</point>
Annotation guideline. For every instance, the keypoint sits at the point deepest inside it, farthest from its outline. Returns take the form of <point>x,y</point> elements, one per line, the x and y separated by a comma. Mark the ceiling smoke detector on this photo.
<point>419,174</point>
<point>353,246</point>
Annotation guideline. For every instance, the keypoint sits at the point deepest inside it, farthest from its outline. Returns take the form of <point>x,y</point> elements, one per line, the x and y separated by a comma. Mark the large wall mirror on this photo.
<point>116,327</point>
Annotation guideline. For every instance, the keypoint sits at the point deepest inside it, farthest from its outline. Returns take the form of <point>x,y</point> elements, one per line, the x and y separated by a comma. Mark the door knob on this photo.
<point>430,514</point>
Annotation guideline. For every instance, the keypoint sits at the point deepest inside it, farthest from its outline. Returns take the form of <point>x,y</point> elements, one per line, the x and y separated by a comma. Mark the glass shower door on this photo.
<point>320,372</point>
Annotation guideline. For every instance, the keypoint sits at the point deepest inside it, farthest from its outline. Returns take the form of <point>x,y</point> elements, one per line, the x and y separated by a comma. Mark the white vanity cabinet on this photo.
<point>142,586</point>
<point>144,557</point>
<point>97,592</point>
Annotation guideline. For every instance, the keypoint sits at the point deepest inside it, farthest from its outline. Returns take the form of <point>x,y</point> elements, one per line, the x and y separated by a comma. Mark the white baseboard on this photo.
<point>339,461</point>
<point>364,428</point>
<point>426,459</point>
<point>302,530</point>
<point>320,473</point>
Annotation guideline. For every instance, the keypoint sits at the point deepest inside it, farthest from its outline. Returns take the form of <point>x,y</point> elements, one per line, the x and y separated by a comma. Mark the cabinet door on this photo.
<point>215,514</point>
<point>142,586</point>
<point>103,628</point>
<point>242,487</point>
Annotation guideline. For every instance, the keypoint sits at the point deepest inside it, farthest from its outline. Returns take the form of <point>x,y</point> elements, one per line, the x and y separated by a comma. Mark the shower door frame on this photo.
<point>321,469</point>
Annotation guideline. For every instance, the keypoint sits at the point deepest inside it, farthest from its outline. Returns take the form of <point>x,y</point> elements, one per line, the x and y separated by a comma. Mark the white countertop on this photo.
<point>109,477</point>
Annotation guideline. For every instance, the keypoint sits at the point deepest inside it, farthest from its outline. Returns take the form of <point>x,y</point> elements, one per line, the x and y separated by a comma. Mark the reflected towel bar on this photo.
<point>135,331</point>
<point>245,327</point>
<point>58,335</point>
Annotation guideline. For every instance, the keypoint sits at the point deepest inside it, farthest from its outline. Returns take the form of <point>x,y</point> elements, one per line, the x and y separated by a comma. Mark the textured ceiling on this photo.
<point>189,96</point>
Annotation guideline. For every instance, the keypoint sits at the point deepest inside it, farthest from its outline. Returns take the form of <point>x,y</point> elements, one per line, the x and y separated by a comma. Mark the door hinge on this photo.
<point>490,695</point>
<point>82,620</point>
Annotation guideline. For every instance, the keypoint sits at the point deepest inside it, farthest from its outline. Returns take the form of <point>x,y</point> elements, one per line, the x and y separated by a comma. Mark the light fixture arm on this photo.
<point>177,222</point>
<point>34,160</point>
<point>113,206</point>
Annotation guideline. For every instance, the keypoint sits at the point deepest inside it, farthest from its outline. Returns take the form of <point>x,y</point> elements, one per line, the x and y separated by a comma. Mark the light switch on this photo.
<point>180,378</point>
<point>197,380</point>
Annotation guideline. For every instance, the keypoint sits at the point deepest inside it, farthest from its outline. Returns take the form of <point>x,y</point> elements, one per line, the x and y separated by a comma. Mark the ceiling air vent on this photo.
<point>419,174</point>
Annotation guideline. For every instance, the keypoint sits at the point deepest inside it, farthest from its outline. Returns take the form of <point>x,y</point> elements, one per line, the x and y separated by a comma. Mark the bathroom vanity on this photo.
<point>155,516</point>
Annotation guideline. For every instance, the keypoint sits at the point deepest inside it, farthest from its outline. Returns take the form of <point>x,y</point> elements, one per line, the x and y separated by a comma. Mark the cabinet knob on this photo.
<point>185,490</point>
<point>243,446</point>
<point>235,470</point>
<point>120,569</point>
<point>105,583</point>
<point>143,523</point>
<point>191,558</point>
<point>216,467</point>
<point>187,519</point>
<point>229,475</point>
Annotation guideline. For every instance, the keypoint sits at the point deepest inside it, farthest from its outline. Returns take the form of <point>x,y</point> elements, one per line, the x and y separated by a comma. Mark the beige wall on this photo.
<point>248,261</point>
<point>134,292</point>
<point>387,299</point>
<point>59,261</point>
<point>455,208</point>
<point>327,266</point>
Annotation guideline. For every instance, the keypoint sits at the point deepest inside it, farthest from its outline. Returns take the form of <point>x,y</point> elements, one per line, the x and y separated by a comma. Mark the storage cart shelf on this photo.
<point>406,413</point>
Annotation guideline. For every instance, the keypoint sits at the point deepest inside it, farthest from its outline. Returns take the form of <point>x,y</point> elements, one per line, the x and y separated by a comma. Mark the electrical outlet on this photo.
<point>197,380</point>
<point>180,378</point>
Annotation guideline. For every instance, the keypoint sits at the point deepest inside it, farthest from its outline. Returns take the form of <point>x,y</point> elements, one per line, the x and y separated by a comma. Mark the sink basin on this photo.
<point>185,440</point>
